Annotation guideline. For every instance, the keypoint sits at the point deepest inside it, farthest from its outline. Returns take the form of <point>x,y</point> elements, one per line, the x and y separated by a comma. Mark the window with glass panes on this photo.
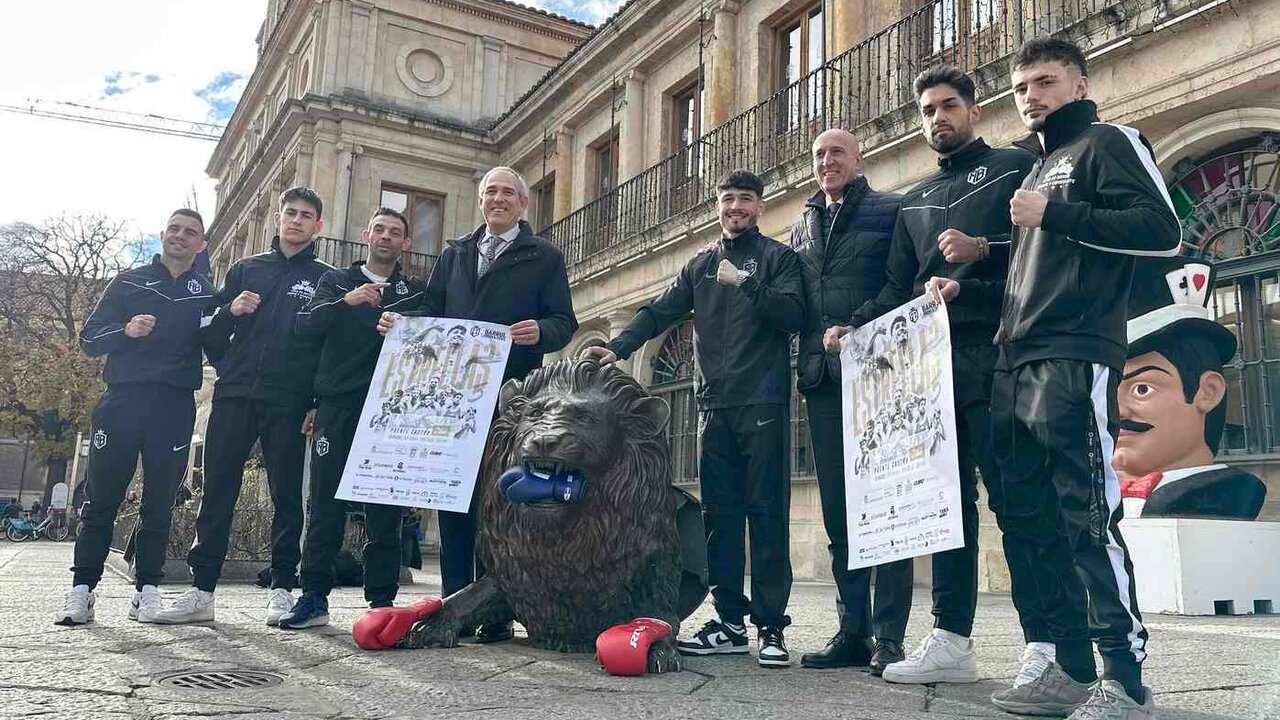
<point>425,211</point>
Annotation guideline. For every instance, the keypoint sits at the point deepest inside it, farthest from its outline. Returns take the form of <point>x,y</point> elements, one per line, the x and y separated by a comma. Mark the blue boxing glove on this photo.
<point>523,485</point>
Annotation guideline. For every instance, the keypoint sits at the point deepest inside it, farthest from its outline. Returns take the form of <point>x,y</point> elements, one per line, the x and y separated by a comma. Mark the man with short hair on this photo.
<point>345,312</point>
<point>1093,202</point>
<point>842,240</point>
<point>500,273</point>
<point>263,394</point>
<point>955,224</point>
<point>747,298</point>
<point>148,325</point>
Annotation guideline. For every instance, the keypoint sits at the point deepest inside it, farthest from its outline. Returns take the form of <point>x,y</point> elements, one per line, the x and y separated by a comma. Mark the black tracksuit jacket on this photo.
<point>170,355</point>
<point>970,192</point>
<point>258,355</point>
<point>1067,293</point>
<point>742,334</point>
<point>350,335</point>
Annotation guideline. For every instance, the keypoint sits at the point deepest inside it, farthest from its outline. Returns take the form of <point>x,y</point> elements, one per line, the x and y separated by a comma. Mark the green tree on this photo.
<point>50,277</point>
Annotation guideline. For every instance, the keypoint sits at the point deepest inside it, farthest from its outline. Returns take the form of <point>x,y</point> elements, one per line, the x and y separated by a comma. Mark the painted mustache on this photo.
<point>1135,426</point>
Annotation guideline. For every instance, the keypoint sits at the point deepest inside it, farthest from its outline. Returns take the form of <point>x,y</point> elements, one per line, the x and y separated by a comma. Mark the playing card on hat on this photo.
<point>1197,280</point>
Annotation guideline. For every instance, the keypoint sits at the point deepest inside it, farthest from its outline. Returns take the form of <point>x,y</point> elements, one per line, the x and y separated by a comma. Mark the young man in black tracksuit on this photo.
<point>747,297</point>
<point>344,312</point>
<point>148,325</point>
<point>955,224</point>
<point>1092,204</point>
<point>842,240</point>
<point>263,394</point>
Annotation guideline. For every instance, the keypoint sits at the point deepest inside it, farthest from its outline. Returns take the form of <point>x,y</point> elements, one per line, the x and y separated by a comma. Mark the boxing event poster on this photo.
<point>426,418</point>
<point>902,478</point>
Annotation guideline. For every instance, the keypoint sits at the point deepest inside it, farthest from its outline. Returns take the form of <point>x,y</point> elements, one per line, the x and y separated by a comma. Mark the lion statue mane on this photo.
<point>568,571</point>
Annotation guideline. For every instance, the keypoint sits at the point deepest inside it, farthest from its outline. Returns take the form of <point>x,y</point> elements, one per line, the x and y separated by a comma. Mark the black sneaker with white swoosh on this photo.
<point>716,638</point>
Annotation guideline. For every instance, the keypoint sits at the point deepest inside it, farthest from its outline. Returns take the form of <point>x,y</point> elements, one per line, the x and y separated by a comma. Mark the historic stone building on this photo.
<point>625,137</point>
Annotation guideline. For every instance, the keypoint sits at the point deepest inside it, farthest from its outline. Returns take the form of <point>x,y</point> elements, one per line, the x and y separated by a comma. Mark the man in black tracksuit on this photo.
<point>263,394</point>
<point>747,299</point>
<point>955,224</point>
<point>500,273</point>
<point>148,325</point>
<point>1093,202</point>
<point>344,312</point>
<point>842,240</point>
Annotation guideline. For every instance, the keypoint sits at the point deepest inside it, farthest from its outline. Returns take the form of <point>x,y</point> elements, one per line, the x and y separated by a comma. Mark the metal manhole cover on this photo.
<point>223,680</point>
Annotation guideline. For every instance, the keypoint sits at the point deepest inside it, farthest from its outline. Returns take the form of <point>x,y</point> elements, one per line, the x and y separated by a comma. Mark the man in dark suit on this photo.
<point>843,241</point>
<point>499,273</point>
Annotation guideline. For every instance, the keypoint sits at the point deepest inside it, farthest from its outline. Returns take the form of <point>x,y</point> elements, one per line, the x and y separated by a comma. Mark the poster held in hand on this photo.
<point>426,417</point>
<point>902,472</point>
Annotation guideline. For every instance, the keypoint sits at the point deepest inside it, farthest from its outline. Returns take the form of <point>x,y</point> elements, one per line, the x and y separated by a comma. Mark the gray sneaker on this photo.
<point>1053,694</point>
<point>1109,701</point>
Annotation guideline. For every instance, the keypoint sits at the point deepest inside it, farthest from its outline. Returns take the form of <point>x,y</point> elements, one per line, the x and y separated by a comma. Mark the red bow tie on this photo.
<point>1140,487</point>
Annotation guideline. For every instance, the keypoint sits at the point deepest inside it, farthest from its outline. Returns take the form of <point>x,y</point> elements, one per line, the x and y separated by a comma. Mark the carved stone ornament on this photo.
<point>423,71</point>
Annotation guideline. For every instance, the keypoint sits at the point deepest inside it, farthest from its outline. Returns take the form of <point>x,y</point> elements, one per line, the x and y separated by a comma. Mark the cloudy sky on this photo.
<point>185,59</point>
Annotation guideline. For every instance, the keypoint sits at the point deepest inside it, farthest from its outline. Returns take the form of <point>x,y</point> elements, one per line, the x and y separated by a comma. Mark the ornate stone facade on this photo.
<point>621,146</point>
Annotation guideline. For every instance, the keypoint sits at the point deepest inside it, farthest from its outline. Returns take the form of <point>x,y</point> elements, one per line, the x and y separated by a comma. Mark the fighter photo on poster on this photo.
<point>426,418</point>
<point>902,477</point>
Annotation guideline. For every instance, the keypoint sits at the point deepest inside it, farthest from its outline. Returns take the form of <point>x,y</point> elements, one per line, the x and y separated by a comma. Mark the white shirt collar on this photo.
<point>508,236</point>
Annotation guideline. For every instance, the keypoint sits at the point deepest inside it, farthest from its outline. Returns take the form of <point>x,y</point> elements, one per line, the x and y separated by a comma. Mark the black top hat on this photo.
<point>1169,300</point>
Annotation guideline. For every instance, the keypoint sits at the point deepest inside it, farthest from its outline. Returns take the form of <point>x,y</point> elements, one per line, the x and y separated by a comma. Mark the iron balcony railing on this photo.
<point>341,253</point>
<point>867,89</point>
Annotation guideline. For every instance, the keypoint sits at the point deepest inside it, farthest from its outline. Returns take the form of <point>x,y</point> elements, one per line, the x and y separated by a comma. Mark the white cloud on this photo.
<point>142,56</point>
<point>588,11</point>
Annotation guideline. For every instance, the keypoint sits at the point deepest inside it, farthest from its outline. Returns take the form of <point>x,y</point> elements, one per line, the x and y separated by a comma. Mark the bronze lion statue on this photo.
<point>564,570</point>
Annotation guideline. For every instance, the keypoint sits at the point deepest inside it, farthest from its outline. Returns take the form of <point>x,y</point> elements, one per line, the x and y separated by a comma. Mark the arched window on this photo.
<point>1228,202</point>
<point>672,380</point>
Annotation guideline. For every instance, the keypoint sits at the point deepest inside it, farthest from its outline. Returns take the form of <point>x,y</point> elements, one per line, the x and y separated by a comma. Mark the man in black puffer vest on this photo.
<point>842,240</point>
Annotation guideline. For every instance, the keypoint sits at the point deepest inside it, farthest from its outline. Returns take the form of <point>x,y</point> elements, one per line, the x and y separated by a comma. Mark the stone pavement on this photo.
<point>1200,667</point>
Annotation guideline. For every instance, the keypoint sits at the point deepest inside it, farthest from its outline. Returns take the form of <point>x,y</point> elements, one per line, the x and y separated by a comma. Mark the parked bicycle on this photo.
<point>54,526</point>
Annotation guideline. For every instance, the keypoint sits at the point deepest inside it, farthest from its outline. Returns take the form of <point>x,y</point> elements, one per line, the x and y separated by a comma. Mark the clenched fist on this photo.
<point>1026,208</point>
<point>957,247</point>
<point>140,326</point>
<point>367,294</point>
<point>245,303</point>
<point>385,322</point>
<point>727,273</point>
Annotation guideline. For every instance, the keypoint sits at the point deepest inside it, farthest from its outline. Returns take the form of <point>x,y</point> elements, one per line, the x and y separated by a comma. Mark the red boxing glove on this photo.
<point>1140,487</point>
<point>381,628</point>
<point>624,649</point>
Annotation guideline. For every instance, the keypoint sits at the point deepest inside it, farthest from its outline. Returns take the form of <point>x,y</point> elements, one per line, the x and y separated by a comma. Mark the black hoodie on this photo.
<point>258,355</point>
<point>1069,279</point>
<point>350,335</point>
<point>170,354</point>
<point>970,192</point>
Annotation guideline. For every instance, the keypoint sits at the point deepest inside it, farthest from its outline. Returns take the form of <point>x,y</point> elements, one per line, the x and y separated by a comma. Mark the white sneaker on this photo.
<point>941,657</point>
<point>192,606</point>
<point>146,603</point>
<point>279,602</point>
<point>77,609</point>
<point>1036,658</point>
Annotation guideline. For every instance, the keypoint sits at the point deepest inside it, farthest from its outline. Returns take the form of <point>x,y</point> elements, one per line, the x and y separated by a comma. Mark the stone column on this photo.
<point>721,87</point>
<point>564,173</point>
<point>631,128</point>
